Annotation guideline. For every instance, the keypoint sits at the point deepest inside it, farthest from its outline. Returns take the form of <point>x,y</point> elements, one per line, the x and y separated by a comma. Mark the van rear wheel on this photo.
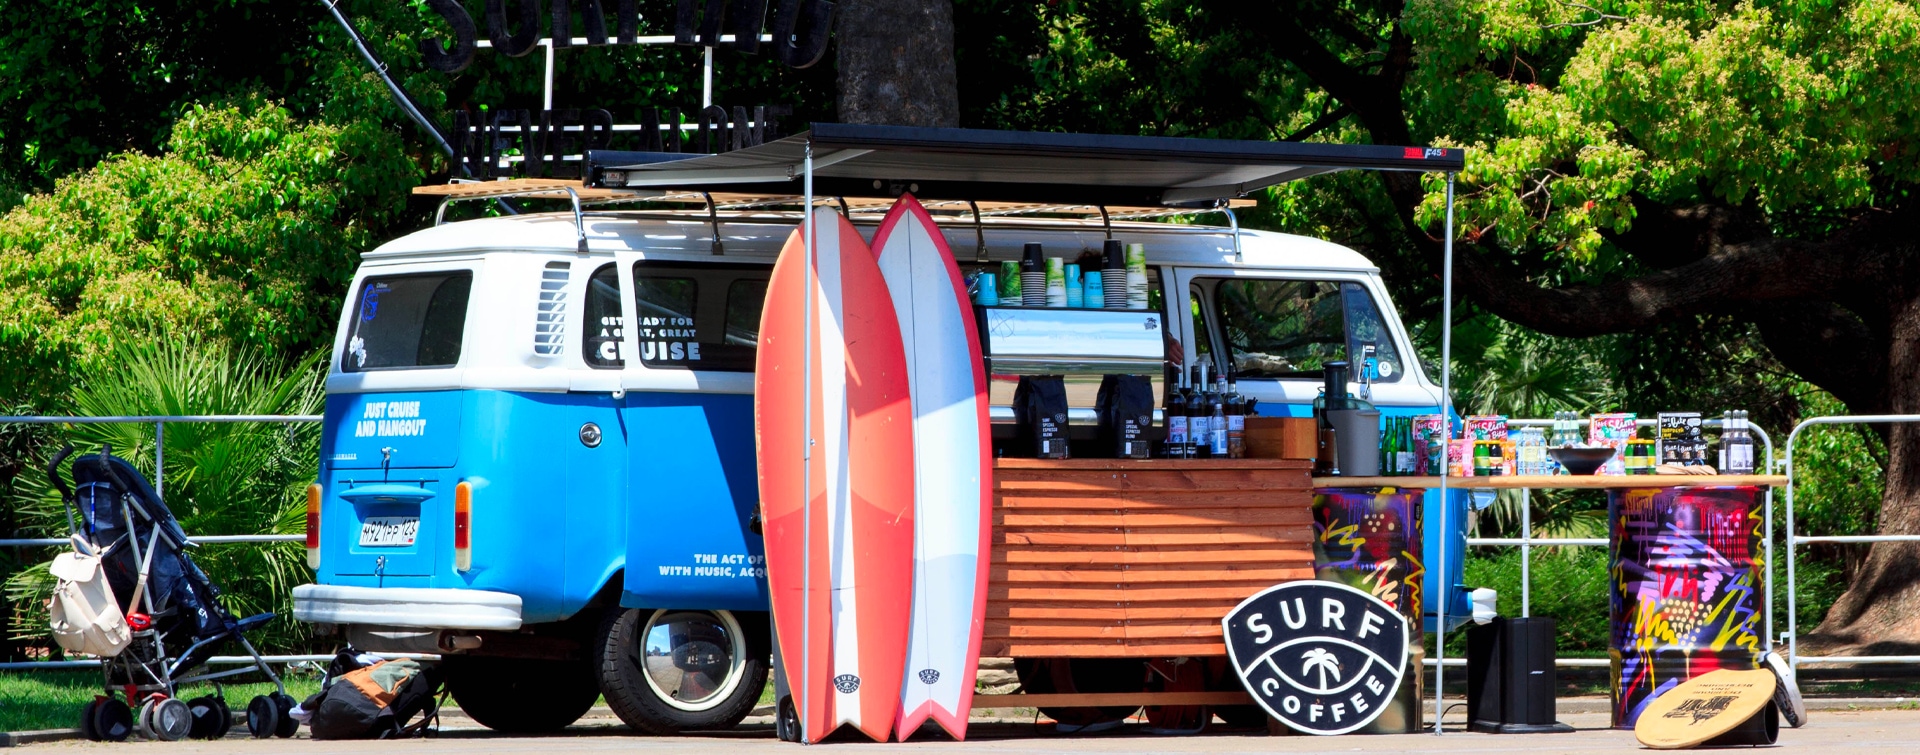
<point>665,671</point>
<point>520,695</point>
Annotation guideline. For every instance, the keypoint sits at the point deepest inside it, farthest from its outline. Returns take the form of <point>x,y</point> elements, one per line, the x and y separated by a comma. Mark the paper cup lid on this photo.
<point>1703,707</point>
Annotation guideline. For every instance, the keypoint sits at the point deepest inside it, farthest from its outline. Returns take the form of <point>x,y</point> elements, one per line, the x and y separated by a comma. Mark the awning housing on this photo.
<point>854,160</point>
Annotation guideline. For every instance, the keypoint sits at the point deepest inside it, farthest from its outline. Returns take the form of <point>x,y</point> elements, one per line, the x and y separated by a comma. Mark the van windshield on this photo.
<point>407,321</point>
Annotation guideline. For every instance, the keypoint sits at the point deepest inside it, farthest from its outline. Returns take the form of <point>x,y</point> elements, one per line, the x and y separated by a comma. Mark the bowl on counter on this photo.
<point>1581,460</point>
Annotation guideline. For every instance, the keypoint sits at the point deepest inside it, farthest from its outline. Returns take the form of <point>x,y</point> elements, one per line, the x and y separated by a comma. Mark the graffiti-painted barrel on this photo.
<point>1687,588</point>
<point>1369,538</point>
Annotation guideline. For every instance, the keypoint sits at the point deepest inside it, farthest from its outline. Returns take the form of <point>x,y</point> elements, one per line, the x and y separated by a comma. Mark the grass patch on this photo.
<point>33,700</point>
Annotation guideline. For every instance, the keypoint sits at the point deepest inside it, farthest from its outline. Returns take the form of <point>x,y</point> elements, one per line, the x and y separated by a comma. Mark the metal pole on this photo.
<point>547,98</point>
<point>160,458</point>
<point>1446,416</point>
<point>806,453</point>
<point>1526,552</point>
<point>706,100</point>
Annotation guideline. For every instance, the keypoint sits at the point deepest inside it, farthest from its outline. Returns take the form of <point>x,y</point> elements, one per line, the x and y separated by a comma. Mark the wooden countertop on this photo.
<point>1538,482</point>
<point>1155,464</point>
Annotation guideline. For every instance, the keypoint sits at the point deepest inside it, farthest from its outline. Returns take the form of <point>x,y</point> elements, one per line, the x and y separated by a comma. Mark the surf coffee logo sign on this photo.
<point>1322,657</point>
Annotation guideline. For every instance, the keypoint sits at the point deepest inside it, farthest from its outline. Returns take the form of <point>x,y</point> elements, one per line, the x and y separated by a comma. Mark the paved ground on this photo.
<point>1829,731</point>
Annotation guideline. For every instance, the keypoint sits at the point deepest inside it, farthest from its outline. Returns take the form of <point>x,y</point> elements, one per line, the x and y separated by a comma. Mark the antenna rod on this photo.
<point>400,97</point>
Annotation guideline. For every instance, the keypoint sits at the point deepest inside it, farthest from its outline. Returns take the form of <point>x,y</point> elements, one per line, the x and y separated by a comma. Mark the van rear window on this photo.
<point>408,321</point>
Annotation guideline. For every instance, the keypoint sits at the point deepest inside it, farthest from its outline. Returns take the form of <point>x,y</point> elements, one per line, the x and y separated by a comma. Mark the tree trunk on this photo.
<point>1876,615</point>
<point>896,63</point>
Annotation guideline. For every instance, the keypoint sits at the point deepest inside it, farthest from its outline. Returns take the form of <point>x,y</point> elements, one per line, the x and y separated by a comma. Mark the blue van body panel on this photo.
<point>693,454</point>
<point>548,514</point>
<point>1459,608</point>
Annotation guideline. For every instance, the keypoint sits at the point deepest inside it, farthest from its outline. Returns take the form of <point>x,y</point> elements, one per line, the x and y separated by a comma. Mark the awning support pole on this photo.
<point>1446,415</point>
<point>806,450</point>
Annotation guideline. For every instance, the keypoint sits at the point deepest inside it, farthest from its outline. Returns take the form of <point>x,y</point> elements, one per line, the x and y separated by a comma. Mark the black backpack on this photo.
<point>379,701</point>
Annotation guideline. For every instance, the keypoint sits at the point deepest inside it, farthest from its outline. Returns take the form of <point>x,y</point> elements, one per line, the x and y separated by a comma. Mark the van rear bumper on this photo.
<point>427,608</point>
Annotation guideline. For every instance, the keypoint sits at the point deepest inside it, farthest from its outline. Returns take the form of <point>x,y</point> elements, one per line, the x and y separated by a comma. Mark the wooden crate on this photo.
<point>1121,558</point>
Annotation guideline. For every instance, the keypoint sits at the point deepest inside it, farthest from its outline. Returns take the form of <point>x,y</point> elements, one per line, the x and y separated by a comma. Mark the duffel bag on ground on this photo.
<point>376,702</point>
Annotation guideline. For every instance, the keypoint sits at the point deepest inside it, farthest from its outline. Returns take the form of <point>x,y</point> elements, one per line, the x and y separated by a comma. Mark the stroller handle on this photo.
<point>53,471</point>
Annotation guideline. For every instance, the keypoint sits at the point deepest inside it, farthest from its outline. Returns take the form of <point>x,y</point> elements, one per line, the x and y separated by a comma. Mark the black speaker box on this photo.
<point>1510,680</point>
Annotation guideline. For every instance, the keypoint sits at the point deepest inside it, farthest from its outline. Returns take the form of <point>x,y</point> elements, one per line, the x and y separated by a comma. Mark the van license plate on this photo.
<point>389,531</point>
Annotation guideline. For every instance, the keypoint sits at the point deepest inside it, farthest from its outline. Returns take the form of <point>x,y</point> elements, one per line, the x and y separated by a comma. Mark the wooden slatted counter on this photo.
<point>1123,558</point>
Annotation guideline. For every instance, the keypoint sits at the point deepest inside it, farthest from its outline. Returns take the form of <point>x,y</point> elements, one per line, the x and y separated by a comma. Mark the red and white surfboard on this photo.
<point>952,468</point>
<point>831,373</point>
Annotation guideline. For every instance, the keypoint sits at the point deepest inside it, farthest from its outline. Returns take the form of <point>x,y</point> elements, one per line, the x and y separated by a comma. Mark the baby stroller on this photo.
<point>112,511</point>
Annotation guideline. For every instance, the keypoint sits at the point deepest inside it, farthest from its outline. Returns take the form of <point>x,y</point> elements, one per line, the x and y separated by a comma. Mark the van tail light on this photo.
<point>462,527</point>
<point>313,526</point>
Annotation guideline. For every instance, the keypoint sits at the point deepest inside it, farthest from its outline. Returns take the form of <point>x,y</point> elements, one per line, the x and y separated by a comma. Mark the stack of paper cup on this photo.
<point>1010,294</point>
<point>1136,276</point>
<point>1075,294</point>
<point>1056,282</point>
<point>1113,278</point>
<point>1033,277</point>
<point>1093,295</point>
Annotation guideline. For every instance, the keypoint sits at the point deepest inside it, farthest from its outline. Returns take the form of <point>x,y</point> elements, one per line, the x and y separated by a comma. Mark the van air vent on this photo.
<point>549,327</point>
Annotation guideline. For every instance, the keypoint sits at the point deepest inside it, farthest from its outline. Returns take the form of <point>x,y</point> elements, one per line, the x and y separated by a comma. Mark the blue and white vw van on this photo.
<point>538,456</point>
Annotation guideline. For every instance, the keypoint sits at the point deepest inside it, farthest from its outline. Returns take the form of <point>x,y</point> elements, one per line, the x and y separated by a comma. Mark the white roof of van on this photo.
<point>761,236</point>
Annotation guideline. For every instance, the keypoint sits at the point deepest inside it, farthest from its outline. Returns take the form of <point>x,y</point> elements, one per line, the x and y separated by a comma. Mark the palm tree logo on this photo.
<point>1319,659</point>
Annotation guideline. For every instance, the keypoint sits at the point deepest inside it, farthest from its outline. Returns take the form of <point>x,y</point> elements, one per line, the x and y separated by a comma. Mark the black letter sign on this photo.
<point>464,35</point>
<point>1322,657</point>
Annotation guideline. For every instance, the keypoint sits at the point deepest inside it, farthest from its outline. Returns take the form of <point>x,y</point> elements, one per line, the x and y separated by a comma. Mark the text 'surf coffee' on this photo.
<point>1321,657</point>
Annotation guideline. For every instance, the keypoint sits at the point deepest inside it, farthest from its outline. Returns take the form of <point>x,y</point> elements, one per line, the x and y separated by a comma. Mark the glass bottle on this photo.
<point>1175,408</point>
<point>1236,422</point>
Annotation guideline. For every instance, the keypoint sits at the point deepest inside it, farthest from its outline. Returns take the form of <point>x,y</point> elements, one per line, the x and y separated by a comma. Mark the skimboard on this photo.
<point>839,525</point>
<point>1708,706</point>
<point>952,468</point>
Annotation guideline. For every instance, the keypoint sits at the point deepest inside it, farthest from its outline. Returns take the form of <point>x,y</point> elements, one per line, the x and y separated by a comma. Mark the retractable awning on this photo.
<point>1014,166</point>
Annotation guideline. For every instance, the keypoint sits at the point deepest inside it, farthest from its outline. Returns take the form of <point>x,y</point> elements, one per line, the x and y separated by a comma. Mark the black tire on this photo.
<point>169,719</point>
<point>708,667</point>
<point>286,725</point>
<point>86,720</point>
<point>520,695</point>
<point>263,717</point>
<point>786,721</point>
<point>1086,675</point>
<point>112,720</point>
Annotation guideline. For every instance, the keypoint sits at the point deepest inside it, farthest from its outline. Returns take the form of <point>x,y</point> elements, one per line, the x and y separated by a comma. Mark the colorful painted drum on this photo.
<point>1687,588</point>
<point>1369,538</point>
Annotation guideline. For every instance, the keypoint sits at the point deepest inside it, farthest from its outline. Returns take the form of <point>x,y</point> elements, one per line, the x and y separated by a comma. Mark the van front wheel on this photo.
<point>665,671</point>
<point>520,695</point>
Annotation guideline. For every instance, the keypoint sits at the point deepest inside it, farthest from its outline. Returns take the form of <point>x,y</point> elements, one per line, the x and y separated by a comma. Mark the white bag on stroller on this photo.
<point>84,614</point>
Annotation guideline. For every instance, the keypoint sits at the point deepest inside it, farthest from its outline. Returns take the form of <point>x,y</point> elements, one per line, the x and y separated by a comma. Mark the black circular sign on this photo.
<point>1322,657</point>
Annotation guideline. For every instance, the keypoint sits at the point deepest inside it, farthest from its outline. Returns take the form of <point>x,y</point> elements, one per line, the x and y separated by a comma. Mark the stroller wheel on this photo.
<point>283,704</point>
<point>203,712</point>
<point>224,718</point>
<point>143,720</point>
<point>169,719</point>
<point>263,717</point>
<point>86,720</point>
<point>112,720</point>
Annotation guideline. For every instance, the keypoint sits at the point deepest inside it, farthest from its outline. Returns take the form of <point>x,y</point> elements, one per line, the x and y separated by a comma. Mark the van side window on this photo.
<point>745,299</point>
<point>1292,328</point>
<point>698,317</point>
<point>408,321</point>
<point>601,324</point>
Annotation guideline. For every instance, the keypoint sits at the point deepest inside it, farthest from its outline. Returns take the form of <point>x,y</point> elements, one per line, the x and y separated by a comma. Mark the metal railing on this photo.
<point>160,423</point>
<point>1793,635</point>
